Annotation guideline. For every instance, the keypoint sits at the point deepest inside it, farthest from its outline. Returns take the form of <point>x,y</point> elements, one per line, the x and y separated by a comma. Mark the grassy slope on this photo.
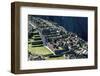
<point>41,50</point>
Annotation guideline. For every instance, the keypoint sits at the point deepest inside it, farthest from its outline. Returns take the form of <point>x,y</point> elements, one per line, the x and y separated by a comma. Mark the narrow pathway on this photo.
<point>50,50</point>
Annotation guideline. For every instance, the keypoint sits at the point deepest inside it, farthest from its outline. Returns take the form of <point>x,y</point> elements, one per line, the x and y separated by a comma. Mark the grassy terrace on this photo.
<point>35,46</point>
<point>40,50</point>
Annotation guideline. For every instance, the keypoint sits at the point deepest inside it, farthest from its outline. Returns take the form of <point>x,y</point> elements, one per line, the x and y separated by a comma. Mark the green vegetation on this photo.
<point>36,46</point>
<point>60,43</point>
<point>41,50</point>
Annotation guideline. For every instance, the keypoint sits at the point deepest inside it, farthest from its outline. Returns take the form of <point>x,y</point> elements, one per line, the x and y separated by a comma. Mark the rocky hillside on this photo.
<point>58,39</point>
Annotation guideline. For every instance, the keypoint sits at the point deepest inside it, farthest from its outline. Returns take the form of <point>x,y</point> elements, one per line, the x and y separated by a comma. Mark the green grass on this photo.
<point>35,46</point>
<point>41,50</point>
<point>38,45</point>
<point>60,48</point>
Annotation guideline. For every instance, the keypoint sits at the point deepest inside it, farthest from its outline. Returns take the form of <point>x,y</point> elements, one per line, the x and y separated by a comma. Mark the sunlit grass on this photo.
<point>41,50</point>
